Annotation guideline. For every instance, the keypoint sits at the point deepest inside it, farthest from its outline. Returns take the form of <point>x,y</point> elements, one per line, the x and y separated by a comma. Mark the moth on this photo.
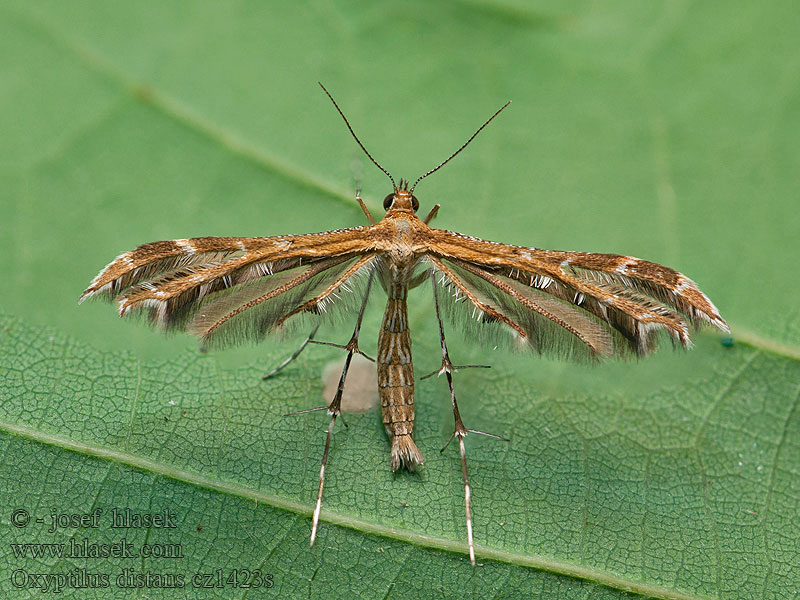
<point>226,290</point>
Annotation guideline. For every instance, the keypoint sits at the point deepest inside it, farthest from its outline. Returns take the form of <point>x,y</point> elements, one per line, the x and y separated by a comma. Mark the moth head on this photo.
<point>401,198</point>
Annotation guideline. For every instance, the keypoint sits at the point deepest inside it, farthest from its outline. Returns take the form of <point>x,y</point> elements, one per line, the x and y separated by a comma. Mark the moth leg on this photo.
<point>446,364</point>
<point>297,352</point>
<point>432,214</point>
<point>335,408</point>
<point>357,350</point>
<point>453,368</point>
<point>363,206</point>
<point>459,430</point>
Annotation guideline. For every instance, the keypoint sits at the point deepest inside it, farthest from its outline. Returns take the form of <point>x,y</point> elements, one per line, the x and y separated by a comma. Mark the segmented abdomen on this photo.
<point>396,378</point>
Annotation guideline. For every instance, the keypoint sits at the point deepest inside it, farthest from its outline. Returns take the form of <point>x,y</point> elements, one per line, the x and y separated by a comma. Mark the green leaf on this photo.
<point>664,130</point>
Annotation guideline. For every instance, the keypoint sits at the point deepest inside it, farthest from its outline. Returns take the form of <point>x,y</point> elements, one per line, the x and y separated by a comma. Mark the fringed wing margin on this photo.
<point>252,311</point>
<point>638,298</point>
<point>644,280</point>
<point>183,284</point>
<point>237,257</point>
<point>635,301</point>
<point>496,309</point>
<point>641,300</point>
<point>154,259</point>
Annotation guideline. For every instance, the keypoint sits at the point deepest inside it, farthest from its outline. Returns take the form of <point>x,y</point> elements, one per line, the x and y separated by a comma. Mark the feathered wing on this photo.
<point>631,300</point>
<point>487,306</point>
<point>225,290</point>
<point>252,311</point>
<point>247,256</point>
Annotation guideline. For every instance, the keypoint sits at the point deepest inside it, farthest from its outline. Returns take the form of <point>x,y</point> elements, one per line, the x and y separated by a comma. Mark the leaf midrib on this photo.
<point>538,562</point>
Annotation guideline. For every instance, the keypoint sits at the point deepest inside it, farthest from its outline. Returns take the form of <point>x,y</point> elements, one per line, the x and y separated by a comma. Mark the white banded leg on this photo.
<point>335,407</point>
<point>459,430</point>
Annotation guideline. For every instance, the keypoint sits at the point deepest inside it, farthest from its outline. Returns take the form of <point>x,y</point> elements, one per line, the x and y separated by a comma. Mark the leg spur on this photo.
<point>459,430</point>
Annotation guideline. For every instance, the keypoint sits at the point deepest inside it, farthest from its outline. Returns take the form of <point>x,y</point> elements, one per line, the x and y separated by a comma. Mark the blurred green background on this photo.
<point>665,130</point>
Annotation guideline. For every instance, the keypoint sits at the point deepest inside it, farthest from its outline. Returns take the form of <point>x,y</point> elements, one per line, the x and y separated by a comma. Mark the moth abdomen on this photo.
<point>396,377</point>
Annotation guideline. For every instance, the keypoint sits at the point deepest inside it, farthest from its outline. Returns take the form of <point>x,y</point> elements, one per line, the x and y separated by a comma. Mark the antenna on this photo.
<point>449,158</point>
<point>346,122</point>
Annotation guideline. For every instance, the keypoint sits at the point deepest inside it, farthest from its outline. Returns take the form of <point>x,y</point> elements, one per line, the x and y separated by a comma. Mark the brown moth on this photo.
<point>572,304</point>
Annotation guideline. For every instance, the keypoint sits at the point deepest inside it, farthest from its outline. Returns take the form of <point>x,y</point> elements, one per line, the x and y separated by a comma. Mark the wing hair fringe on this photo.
<point>175,311</point>
<point>150,271</point>
<point>661,293</point>
<point>629,335</point>
<point>542,335</point>
<point>642,338</point>
<point>261,319</point>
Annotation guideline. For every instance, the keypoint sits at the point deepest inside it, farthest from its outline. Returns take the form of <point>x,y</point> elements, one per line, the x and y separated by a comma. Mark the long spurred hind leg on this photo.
<point>459,430</point>
<point>335,407</point>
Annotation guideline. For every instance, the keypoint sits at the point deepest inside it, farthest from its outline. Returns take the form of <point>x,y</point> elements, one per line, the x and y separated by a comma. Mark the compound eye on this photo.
<point>414,203</point>
<point>387,202</point>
